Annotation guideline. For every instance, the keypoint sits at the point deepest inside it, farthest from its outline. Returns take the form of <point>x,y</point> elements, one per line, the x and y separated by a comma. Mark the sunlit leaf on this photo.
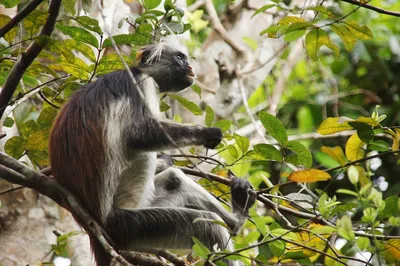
<point>9,3</point>
<point>354,149</point>
<point>15,146</point>
<point>89,24</point>
<point>345,228</point>
<point>393,246</point>
<point>79,34</point>
<point>309,176</point>
<point>290,20</point>
<point>38,140</point>
<point>333,125</point>
<point>242,142</point>
<point>223,124</point>
<point>348,38</point>
<point>315,39</point>
<point>361,32</point>
<point>335,153</point>
<point>69,6</point>
<point>9,36</point>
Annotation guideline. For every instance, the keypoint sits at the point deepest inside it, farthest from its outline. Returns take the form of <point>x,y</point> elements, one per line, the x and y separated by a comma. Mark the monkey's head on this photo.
<point>167,63</point>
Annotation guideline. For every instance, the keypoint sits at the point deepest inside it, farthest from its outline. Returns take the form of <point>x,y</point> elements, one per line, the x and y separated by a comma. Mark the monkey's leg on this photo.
<point>160,227</point>
<point>174,188</point>
<point>152,136</point>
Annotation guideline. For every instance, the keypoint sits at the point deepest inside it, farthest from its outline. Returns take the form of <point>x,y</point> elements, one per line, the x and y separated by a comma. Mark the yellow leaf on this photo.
<point>393,246</point>
<point>309,175</point>
<point>368,120</point>
<point>396,140</point>
<point>335,153</point>
<point>354,149</point>
<point>333,125</point>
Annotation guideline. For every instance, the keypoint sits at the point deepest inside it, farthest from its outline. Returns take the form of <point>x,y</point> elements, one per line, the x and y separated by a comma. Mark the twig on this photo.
<point>19,17</point>
<point>44,98</point>
<point>138,259</point>
<point>10,190</point>
<point>171,257</point>
<point>196,5</point>
<point>239,49</point>
<point>374,8</point>
<point>362,160</point>
<point>246,104</point>
<point>27,58</point>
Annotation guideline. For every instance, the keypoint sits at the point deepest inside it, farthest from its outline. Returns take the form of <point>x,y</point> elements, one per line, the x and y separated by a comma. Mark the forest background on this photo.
<point>306,92</point>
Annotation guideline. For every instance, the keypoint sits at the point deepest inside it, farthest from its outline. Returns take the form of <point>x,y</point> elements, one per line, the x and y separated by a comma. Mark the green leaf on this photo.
<point>302,157</point>
<point>294,35</point>
<point>196,89</point>
<point>145,29</point>
<point>46,118</point>
<point>223,124</point>
<point>348,38</point>
<point>291,20</point>
<point>9,36</point>
<point>361,32</point>
<point>363,243</point>
<point>151,4</point>
<point>250,42</point>
<point>69,6</point>
<point>15,146</point>
<point>323,229</point>
<point>353,174</point>
<point>38,140</point>
<point>199,249</point>
<point>345,229</point>
<point>79,34</point>
<point>168,5</point>
<point>268,151</point>
<point>233,152</point>
<point>137,39</point>
<point>262,9</point>
<point>27,128</point>
<point>275,30</point>
<point>287,234</point>
<point>9,3</point>
<point>391,207</point>
<point>315,39</point>
<point>277,248</point>
<point>320,9</point>
<point>242,142</point>
<point>89,24</point>
<point>209,116</point>
<point>378,145</point>
<point>80,47</point>
<point>8,122</point>
<point>364,131</point>
<point>39,157</point>
<point>346,191</point>
<point>191,106</point>
<point>164,106</point>
<point>274,127</point>
<point>34,21</point>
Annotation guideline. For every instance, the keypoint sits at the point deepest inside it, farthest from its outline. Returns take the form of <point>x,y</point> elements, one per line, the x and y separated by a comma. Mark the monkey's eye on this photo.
<point>180,58</point>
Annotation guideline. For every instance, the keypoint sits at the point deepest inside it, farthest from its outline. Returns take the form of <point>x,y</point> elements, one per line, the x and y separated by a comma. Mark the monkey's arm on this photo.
<point>152,136</point>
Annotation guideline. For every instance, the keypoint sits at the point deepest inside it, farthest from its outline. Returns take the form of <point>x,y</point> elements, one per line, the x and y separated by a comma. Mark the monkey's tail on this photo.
<point>101,256</point>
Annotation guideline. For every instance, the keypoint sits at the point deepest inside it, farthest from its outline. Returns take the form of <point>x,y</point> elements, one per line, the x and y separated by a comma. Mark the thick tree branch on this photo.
<point>374,8</point>
<point>20,16</point>
<point>239,49</point>
<point>27,58</point>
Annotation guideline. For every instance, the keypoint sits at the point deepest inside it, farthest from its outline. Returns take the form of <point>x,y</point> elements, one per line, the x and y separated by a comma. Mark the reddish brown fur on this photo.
<point>77,156</point>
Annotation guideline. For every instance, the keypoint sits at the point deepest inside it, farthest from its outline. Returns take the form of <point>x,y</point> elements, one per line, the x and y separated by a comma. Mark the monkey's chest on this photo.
<point>136,186</point>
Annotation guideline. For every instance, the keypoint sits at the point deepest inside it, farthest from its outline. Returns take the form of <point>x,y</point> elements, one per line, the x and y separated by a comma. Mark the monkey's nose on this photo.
<point>190,67</point>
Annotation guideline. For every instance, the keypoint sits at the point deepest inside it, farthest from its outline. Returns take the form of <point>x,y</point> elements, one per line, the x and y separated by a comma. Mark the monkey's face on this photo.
<point>171,69</point>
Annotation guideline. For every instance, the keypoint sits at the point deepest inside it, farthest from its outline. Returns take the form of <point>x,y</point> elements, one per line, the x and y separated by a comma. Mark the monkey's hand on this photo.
<point>243,195</point>
<point>212,137</point>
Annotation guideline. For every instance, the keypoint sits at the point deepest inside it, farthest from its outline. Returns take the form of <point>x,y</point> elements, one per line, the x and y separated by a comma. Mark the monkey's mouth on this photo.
<point>191,74</point>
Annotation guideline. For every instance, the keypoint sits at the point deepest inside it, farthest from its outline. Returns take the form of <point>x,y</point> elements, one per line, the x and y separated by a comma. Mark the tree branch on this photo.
<point>20,16</point>
<point>27,58</point>
<point>374,8</point>
<point>221,30</point>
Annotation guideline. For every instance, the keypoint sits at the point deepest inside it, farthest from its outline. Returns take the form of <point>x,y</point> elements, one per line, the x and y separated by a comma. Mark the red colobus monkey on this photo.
<point>103,149</point>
